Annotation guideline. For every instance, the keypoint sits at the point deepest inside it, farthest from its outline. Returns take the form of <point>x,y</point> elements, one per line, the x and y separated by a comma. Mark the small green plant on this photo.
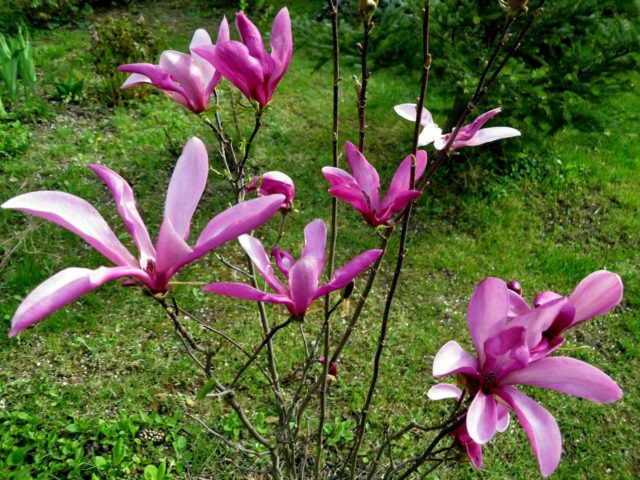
<point>17,67</point>
<point>69,90</point>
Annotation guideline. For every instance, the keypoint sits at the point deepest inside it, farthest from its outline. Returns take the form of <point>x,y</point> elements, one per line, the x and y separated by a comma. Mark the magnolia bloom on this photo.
<point>188,79</point>
<point>362,188</point>
<point>274,182</point>
<point>254,71</point>
<point>503,360</point>
<point>303,276</point>
<point>469,136</point>
<point>156,264</point>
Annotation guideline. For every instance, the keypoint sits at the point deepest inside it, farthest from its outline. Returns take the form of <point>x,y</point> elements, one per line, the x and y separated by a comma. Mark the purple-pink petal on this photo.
<point>303,284</point>
<point>568,375</point>
<point>245,292</point>
<point>233,222</point>
<point>540,427</point>
<point>337,177</point>
<point>281,48</point>
<point>595,295</point>
<point>171,249</point>
<point>315,244</point>
<point>452,358</point>
<point>284,261</point>
<point>443,391</point>
<point>186,186</point>
<point>345,275</point>
<point>354,196</point>
<point>482,418</point>
<point>77,216</point>
<point>126,205</point>
<point>63,288</point>
<point>491,134</point>
<point>401,180</point>
<point>233,60</point>
<point>364,173</point>
<point>259,257</point>
<point>488,312</point>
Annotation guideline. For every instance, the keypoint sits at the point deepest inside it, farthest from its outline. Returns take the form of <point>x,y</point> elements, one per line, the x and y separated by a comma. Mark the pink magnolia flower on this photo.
<point>469,136</point>
<point>274,182</point>
<point>247,64</point>
<point>156,264</point>
<point>188,79</point>
<point>303,276</point>
<point>474,450</point>
<point>362,188</point>
<point>503,360</point>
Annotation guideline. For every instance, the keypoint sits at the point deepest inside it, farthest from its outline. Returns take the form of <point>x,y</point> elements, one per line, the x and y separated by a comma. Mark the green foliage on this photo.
<point>14,140</point>
<point>117,40</point>
<point>70,90</point>
<point>50,13</point>
<point>575,55</point>
<point>105,449</point>
<point>17,68</point>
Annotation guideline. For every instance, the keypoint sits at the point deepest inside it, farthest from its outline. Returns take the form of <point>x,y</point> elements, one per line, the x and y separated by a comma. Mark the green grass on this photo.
<point>108,366</point>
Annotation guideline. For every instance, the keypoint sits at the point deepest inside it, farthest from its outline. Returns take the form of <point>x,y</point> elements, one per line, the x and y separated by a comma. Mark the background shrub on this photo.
<point>120,39</point>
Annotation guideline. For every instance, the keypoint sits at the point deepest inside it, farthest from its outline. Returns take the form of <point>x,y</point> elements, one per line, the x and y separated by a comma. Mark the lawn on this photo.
<point>82,392</point>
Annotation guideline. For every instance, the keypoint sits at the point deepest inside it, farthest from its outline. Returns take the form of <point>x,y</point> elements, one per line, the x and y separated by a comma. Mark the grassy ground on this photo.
<point>77,391</point>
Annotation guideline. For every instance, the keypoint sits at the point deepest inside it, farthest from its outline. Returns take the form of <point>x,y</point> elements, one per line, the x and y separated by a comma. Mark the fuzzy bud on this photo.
<point>368,7</point>
<point>514,8</point>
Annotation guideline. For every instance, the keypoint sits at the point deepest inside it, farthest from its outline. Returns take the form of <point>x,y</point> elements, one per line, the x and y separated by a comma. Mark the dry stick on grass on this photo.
<point>426,65</point>
<point>333,7</point>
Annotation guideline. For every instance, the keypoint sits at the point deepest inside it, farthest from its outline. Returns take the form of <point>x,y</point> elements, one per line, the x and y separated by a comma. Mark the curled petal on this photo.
<point>409,111</point>
<point>354,196</point>
<point>63,288</point>
<point>482,418</point>
<point>443,391</point>
<point>284,261</point>
<point>451,358</point>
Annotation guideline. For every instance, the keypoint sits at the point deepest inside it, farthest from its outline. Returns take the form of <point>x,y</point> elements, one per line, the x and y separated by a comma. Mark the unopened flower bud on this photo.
<point>515,286</point>
<point>333,368</point>
<point>274,182</point>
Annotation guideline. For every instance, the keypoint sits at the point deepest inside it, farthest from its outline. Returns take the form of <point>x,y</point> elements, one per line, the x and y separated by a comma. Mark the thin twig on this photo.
<point>353,456</point>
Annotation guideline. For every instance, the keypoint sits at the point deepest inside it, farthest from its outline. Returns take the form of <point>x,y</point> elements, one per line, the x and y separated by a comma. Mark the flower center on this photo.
<point>489,379</point>
<point>150,268</point>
